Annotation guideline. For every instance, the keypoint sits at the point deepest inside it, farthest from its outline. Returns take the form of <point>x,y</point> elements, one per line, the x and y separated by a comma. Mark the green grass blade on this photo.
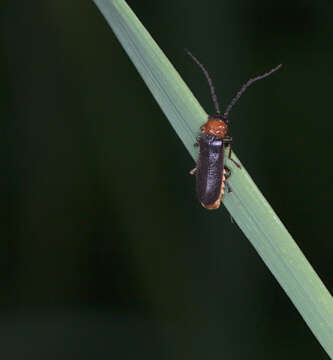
<point>246,204</point>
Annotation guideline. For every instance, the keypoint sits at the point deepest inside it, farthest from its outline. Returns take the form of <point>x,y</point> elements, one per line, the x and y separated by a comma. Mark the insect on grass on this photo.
<point>210,171</point>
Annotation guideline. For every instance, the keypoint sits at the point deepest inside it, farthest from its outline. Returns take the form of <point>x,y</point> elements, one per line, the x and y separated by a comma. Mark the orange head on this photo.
<point>215,126</point>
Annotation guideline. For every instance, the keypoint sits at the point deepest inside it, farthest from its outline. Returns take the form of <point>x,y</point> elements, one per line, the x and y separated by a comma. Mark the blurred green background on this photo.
<point>105,251</point>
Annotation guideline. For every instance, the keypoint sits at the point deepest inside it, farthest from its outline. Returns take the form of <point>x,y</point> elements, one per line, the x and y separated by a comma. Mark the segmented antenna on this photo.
<point>245,86</point>
<point>210,82</point>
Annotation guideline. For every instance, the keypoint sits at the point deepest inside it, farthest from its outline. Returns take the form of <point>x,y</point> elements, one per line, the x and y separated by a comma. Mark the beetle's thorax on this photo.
<point>215,125</point>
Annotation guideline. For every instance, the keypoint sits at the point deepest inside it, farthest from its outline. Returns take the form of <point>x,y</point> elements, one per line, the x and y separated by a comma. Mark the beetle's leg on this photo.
<point>229,157</point>
<point>196,144</point>
<point>228,187</point>
<point>227,172</point>
<point>193,171</point>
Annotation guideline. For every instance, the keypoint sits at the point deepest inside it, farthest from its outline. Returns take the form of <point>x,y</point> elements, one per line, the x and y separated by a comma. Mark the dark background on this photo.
<point>105,252</point>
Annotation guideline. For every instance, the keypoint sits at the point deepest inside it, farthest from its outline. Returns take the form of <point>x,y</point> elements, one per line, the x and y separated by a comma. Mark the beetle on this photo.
<point>210,171</point>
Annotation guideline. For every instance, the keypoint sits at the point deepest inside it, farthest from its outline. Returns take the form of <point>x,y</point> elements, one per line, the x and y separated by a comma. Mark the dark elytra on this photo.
<point>211,174</point>
<point>209,170</point>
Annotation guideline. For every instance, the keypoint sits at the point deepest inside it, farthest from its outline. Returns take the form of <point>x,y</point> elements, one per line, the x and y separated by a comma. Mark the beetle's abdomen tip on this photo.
<point>213,206</point>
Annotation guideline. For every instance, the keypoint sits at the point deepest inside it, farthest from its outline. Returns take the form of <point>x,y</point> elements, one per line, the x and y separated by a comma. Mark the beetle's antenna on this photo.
<point>210,82</point>
<point>245,86</point>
